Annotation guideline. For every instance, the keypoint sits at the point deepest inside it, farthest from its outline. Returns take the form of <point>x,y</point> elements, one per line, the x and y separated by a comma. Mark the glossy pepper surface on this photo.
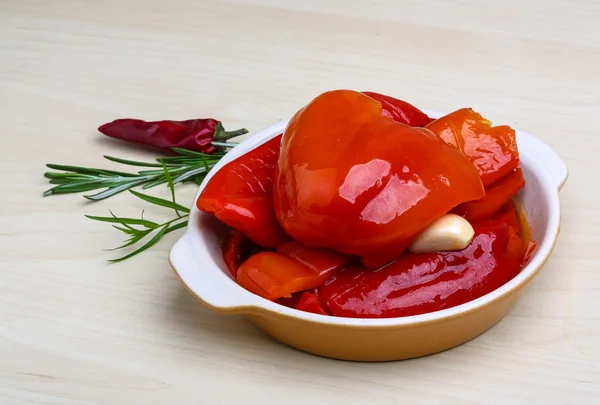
<point>195,134</point>
<point>492,149</point>
<point>241,195</point>
<point>421,283</point>
<point>235,251</point>
<point>399,110</point>
<point>496,197</point>
<point>351,179</point>
<point>292,268</point>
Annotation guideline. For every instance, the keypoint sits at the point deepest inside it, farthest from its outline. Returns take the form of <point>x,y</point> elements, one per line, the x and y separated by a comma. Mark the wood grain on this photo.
<point>75,330</point>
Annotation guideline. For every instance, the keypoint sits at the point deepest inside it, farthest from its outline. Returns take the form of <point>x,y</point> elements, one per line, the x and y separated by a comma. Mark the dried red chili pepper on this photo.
<point>196,134</point>
<point>400,111</point>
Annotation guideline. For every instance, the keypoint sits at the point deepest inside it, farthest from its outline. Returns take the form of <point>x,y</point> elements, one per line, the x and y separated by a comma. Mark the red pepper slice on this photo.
<point>493,150</point>
<point>241,195</point>
<point>530,249</point>
<point>309,302</point>
<point>273,275</point>
<point>318,260</point>
<point>496,197</point>
<point>399,110</point>
<point>235,251</point>
<point>421,283</point>
<point>352,180</point>
<point>294,267</point>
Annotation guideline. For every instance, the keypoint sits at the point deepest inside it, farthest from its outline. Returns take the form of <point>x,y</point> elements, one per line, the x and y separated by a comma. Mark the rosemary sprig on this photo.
<point>139,230</point>
<point>187,165</point>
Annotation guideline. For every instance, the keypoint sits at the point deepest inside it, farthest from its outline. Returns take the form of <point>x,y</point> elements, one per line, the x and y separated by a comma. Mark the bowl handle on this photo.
<point>213,288</point>
<point>546,157</point>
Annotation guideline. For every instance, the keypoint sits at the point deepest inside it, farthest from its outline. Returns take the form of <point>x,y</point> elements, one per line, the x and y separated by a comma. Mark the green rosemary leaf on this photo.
<point>128,231</point>
<point>153,183</point>
<point>162,230</point>
<point>87,170</point>
<point>131,162</point>
<point>160,201</point>
<point>190,173</point>
<point>114,190</point>
<point>172,188</point>
<point>125,221</point>
<point>132,241</point>
<point>176,226</point>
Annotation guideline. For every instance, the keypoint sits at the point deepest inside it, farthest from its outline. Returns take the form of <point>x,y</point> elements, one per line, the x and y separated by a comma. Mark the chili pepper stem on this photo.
<point>221,135</point>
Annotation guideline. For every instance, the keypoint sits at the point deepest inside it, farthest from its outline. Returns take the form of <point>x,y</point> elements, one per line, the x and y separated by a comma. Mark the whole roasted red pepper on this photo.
<point>350,179</point>
<point>400,111</point>
<point>421,283</point>
<point>240,194</point>
<point>196,134</point>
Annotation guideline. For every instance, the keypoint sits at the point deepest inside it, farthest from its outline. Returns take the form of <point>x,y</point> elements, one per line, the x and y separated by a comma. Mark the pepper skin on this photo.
<point>422,283</point>
<point>350,179</point>
<point>241,195</point>
<point>493,150</point>
<point>400,111</point>
<point>235,250</point>
<point>496,196</point>
<point>309,302</point>
<point>275,275</point>
<point>196,134</point>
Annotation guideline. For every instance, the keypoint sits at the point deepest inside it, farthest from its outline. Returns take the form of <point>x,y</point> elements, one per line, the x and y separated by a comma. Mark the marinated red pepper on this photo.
<point>493,150</point>
<point>400,111</point>
<point>309,302</point>
<point>421,283</point>
<point>293,268</point>
<point>350,179</point>
<point>496,197</point>
<point>235,251</point>
<point>241,195</point>
<point>196,134</point>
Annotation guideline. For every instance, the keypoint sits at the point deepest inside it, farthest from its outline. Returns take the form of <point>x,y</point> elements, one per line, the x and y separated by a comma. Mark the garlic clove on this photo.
<point>449,232</point>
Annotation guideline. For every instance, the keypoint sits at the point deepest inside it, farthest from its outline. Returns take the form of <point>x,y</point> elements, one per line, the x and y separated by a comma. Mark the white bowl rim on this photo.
<point>232,298</point>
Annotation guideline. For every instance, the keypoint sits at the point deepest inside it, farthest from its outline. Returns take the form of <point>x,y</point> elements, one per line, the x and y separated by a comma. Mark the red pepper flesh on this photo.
<point>400,111</point>
<point>294,267</point>
<point>493,150</point>
<point>240,194</point>
<point>195,134</point>
<point>274,275</point>
<point>496,197</point>
<point>309,302</point>
<point>421,283</point>
<point>233,251</point>
<point>318,260</point>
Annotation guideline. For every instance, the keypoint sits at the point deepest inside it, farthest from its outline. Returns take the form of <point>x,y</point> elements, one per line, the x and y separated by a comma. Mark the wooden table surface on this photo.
<point>76,330</point>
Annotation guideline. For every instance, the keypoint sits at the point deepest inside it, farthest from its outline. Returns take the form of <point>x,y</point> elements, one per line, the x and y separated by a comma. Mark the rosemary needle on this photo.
<point>185,166</point>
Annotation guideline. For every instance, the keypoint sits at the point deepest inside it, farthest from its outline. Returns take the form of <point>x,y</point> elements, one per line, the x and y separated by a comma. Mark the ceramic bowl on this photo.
<point>197,260</point>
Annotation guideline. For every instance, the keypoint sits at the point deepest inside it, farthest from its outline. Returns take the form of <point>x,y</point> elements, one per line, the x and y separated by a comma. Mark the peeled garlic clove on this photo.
<point>449,232</point>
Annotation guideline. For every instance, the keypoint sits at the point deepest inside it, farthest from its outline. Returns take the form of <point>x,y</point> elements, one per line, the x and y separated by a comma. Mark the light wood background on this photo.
<point>75,330</point>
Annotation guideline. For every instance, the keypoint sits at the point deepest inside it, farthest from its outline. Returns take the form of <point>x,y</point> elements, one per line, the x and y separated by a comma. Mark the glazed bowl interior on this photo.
<point>197,256</point>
